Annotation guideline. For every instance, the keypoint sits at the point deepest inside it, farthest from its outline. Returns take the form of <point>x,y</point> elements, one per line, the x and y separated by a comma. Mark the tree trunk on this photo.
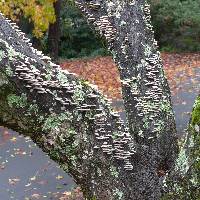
<point>54,33</point>
<point>183,181</point>
<point>127,28</point>
<point>71,121</point>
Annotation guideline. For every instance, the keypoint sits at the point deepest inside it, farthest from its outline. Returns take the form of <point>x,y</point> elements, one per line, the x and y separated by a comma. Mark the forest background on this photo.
<point>176,24</point>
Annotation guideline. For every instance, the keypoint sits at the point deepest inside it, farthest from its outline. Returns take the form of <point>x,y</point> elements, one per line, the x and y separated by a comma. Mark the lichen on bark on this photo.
<point>183,181</point>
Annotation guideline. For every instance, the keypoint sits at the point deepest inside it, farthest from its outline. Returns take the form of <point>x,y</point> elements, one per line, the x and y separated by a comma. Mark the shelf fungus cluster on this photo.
<point>123,138</point>
<point>101,23</point>
<point>105,28</point>
<point>115,7</point>
<point>21,36</point>
<point>118,143</point>
<point>45,80</point>
<point>150,103</point>
<point>65,94</point>
<point>147,17</point>
<point>94,5</point>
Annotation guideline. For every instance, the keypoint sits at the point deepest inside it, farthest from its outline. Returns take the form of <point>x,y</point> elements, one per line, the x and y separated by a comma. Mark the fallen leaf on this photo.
<point>13,139</point>
<point>13,181</point>
<point>59,177</point>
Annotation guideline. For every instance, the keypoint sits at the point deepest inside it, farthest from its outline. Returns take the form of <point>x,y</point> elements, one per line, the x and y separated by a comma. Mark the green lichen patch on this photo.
<point>33,108</point>
<point>78,95</point>
<point>146,122</point>
<point>148,51</point>
<point>166,106</point>
<point>62,77</point>
<point>3,79</point>
<point>159,126</point>
<point>9,71</point>
<point>17,101</point>
<point>114,171</point>
<point>182,163</point>
<point>196,112</point>
<point>49,72</point>
<point>194,144</point>
<point>11,54</point>
<point>68,142</point>
<point>2,55</point>
<point>53,121</point>
<point>115,135</point>
<point>118,194</point>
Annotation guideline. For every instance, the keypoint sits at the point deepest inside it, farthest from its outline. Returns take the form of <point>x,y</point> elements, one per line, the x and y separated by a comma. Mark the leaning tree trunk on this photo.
<point>71,121</point>
<point>127,28</point>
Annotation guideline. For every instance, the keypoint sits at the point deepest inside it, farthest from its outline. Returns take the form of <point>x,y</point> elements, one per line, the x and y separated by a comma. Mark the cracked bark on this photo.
<point>75,125</point>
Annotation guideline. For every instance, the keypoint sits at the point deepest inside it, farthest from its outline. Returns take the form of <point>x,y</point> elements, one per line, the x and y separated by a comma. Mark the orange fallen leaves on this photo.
<point>100,71</point>
<point>103,72</point>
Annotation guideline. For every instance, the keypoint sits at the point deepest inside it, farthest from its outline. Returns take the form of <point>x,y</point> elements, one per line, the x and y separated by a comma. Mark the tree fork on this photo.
<point>127,28</point>
<point>71,121</point>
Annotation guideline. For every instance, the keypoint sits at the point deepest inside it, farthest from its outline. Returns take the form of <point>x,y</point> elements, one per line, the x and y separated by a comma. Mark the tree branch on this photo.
<point>183,182</point>
<point>65,116</point>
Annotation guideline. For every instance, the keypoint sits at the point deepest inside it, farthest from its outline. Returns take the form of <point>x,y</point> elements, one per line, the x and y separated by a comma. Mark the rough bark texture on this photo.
<point>183,181</point>
<point>126,26</point>
<point>71,121</point>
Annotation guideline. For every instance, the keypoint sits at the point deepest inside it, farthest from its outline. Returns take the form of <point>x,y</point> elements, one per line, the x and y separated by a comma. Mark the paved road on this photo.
<point>26,173</point>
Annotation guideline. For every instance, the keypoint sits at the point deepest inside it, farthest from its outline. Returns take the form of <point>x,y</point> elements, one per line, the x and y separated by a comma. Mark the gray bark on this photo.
<point>183,181</point>
<point>127,27</point>
<point>71,121</point>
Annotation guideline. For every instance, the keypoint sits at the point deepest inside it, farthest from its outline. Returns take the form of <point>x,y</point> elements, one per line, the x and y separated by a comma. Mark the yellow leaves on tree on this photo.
<point>39,12</point>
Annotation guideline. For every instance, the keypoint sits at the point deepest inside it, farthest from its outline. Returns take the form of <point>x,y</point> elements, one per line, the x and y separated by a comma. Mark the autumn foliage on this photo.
<point>39,12</point>
<point>103,72</point>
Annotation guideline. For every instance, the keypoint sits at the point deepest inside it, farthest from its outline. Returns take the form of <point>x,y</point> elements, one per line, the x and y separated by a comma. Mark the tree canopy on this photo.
<point>176,24</point>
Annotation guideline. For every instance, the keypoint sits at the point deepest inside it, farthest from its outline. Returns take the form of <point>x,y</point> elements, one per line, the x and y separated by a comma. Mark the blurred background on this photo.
<point>59,30</point>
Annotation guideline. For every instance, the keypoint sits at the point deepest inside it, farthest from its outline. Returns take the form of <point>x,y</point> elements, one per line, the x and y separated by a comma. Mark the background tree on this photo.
<point>77,37</point>
<point>177,24</point>
<point>33,17</point>
<point>54,32</point>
